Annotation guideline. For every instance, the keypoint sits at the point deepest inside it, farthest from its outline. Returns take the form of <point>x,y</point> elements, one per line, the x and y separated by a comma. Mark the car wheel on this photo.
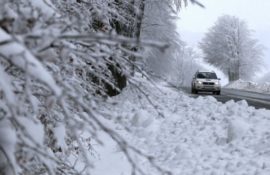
<point>218,92</point>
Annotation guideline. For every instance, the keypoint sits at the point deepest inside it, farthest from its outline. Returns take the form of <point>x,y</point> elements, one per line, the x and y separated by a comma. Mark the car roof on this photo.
<point>205,71</point>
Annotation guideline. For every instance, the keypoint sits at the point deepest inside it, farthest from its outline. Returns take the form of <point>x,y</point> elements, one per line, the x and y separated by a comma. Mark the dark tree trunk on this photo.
<point>137,31</point>
<point>139,19</point>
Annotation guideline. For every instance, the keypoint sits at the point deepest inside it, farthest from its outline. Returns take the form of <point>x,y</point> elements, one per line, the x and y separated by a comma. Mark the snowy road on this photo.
<point>258,100</point>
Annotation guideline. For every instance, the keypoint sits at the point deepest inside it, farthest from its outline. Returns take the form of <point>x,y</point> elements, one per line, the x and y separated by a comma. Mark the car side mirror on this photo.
<point>218,78</point>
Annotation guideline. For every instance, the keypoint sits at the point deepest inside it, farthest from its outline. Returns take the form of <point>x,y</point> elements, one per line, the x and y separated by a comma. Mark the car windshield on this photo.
<point>207,75</point>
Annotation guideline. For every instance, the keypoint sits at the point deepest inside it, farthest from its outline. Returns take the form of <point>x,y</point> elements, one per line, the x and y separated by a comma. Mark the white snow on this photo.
<point>5,85</point>
<point>193,136</point>
<point>8,141</point>
<point>237,129</point>
<point>250,86</point>
<point>141,119</point>
<point>109,159</point>
<point>45,6</point>
<point>24,59</point>
<point>60,134</point>
<point>34,129</point>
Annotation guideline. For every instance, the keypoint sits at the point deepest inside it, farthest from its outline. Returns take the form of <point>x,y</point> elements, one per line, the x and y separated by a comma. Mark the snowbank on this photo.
<point>189,136</point>
<point>250,86</point>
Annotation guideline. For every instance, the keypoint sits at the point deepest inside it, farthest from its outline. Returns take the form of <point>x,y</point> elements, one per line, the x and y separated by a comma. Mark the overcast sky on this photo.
<point>196,21</point>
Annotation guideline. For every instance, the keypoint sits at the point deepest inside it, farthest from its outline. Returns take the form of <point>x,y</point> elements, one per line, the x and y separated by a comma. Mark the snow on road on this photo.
<point>250,86</point>
<point>189,136</point>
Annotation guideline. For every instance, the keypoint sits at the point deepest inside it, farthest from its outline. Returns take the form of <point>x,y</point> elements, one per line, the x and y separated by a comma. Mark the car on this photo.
<point>205,81</point>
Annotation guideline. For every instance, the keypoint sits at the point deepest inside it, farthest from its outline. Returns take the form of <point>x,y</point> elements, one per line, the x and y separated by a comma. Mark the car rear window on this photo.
<point>207,75</point>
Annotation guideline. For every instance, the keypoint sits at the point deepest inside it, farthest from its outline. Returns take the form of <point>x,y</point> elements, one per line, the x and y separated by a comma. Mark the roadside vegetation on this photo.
<point>77,75</point>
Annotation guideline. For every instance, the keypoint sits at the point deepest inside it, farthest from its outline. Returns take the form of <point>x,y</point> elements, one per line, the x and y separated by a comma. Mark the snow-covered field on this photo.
<point>250,86</point>
<point>186,136</point>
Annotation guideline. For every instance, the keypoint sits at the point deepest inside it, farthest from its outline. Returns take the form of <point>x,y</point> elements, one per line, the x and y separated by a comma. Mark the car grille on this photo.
<point>208,83</point>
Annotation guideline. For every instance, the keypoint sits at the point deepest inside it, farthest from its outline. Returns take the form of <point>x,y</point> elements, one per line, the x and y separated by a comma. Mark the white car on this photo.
<point>206,82</point>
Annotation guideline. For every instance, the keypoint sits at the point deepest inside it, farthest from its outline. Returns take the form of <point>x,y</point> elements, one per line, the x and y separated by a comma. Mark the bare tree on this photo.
<point>184,66</point>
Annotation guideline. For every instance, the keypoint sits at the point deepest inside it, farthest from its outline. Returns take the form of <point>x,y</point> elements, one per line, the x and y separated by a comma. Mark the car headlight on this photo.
<point>199,82</point>
<point>217,83</point>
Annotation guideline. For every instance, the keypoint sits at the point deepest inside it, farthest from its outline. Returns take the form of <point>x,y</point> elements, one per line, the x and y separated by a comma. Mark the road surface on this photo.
<point>258,100</point>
